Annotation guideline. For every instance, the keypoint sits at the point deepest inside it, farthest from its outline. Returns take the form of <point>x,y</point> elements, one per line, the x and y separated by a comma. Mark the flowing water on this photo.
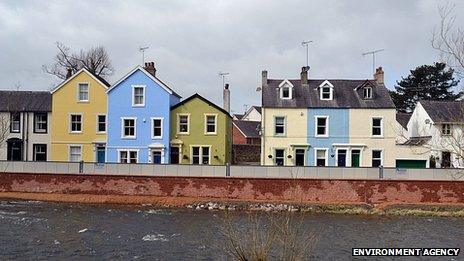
<point>57,231</point>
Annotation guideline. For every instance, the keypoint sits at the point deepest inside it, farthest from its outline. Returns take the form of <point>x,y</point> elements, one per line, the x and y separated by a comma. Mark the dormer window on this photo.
<point>326,91</point>
<point>285,91</point>
<point>367,92</point>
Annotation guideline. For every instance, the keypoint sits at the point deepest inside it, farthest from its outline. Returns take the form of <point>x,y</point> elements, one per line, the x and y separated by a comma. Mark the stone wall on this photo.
<point>271,190</point>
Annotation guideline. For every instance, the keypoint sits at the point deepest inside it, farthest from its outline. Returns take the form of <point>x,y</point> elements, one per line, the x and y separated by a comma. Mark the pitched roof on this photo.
<point>416,141</point>
<point>154,78</point>
<point>96,77</point>
<point>196,95</point>
<point>250,129</point>
<point>239,116</point>
<point>258,108</point>
<point>345,95</point>
<point>27,101</point>
<point>403,118</point>
<point>444,111</point>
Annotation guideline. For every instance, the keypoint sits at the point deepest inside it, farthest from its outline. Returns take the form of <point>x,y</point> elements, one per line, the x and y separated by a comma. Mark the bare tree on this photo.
<point>448,39</point>
<point>96,60</point>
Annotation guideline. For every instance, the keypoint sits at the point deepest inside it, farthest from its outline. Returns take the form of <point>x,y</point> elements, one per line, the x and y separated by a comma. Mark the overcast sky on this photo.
<point>191,41</point>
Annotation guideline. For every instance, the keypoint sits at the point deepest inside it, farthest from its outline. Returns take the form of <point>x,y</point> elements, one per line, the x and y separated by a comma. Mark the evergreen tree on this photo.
<point>426,82</point>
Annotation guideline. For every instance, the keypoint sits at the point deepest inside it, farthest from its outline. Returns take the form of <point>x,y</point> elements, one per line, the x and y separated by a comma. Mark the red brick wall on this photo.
<point>300,191</point>
<point>237,136</point>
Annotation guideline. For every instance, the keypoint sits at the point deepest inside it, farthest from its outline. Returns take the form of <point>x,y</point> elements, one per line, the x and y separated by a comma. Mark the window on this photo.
<point>367,92</point>
<point>210,127</point>
<point>285,92</point>
<point>157,128</point>
<point>128,127</point>
<point>15,119</point>
<point>83,92</point>
<point>322,126</point>
<point>76,123</point>
<point>75,153</point>
<point>40,123</point>
<point>321,157</point>
<point>279,157</point>
<point>138,96</point>
<point>200,155</point>
<point>446,129</point>
<point>101,123</point>
<point>183,124</point>
<point>279,128</point>
<point>376,158</point>
<point>326,93</point>
<point>377,127</point>
<point>40,152</point>
<point>128,156</point>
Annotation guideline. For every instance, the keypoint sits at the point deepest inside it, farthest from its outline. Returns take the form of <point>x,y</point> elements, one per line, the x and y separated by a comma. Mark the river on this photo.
<point>57,231</point>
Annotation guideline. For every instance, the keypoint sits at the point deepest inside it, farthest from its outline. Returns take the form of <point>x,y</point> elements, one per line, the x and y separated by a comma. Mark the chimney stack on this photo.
<point>304,75</point>
<point>150,68</point>
<point>68,73</point>
<point>226,97</point>
<point>264,79</point>
<point>378,76</point>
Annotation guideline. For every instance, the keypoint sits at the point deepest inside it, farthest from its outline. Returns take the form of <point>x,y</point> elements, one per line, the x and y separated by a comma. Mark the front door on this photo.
<point>355,157</point>
<point>174,155</point>
<point>341,158</point>
<point>15,150</point>
<point>156,157</point>
<point>446,159</point>
<point>299,157</point>
<point>100,154</point>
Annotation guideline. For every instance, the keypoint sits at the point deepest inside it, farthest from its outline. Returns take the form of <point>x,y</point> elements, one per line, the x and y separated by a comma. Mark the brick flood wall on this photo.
<point>299,191</point>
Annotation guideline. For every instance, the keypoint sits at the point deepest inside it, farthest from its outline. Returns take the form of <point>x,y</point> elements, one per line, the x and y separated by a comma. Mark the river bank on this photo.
<point>214,204</point>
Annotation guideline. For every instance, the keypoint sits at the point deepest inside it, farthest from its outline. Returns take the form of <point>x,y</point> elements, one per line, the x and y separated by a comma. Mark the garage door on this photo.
<point>411,164</point>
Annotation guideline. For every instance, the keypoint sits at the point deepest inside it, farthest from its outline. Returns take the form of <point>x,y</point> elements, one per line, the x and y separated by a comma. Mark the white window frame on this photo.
<point>133,95</point>
<point>285,126</point>
<point>13,130</point>
<point>178,123</point>
<point>70,123</point>
<point>206,115</point>
<point>69,151</point>
<point>381,126</point>
<point>286,84</point>
<point>128,151</point>
<point>122,128</point>
<point>326,157</point>
<point>152,119</point>
<point>35,129</point>
<point>98,123</point>
<point>369,92</point>
<point>34,147</point>
<point>200,160</point>
<point>381,156</point>
<point>316,117</point>
<point>448,133</point>
<point>79,91</point>
<point>326,84</point>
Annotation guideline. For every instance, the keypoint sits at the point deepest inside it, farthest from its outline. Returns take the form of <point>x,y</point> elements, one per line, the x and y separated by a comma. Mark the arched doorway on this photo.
<point>15,149</point>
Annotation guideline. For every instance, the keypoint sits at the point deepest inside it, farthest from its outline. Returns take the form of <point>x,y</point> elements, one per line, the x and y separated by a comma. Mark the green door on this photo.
<point>355,155</point>
<point>411,164</point>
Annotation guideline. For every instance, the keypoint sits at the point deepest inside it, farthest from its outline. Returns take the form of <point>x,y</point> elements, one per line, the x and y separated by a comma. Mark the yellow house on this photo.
<point>79,130</point>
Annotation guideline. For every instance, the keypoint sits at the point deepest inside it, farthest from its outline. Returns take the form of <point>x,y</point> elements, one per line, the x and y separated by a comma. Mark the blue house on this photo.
<point>139,118</point>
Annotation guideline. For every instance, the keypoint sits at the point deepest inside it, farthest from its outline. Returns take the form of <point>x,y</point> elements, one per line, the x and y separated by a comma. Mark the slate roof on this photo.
<point>26,101</point>
<point>239,116</point>
<point>403,119</point>
<point>345,95</point>
<point>196,95</point>
<point>444,111</point>
<point>416,141</point>
<point>249,128</point>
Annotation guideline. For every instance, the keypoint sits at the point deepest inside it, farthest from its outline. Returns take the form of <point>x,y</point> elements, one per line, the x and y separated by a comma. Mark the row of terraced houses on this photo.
<point>140,119</point>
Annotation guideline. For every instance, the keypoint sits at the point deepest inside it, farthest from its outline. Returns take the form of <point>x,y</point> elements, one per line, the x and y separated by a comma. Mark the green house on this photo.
<point>200,132</point>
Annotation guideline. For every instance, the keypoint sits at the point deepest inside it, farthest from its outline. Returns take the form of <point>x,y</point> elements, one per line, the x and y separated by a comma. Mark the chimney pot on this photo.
<point>379,76</point>
<point>150,68</point>
<point>226,97</point>
<point>264,78</point>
